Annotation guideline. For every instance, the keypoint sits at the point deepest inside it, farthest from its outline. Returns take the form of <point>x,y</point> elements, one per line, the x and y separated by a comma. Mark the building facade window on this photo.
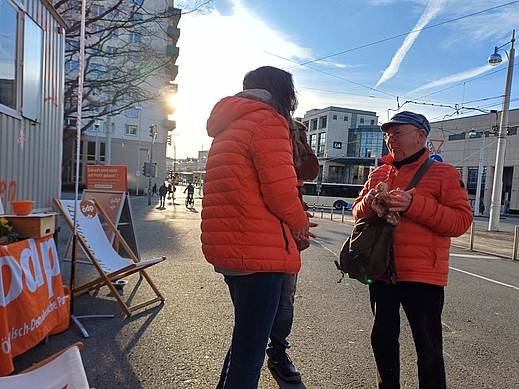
<point>138,2</point>
<point>96,28</point>
<point>372,122</point>
<point>113,14</point>
<point>334,117</point>
<point>459,136</point>
<point>313,141</point>
<point>306,124</point>
<point>131,130</point>
<point>361,121</point>
<point>135,57</point>
<point>71,45</point>
<point>345,118</point>
<point>314,124</point>
<point>111,51</point>
<point>135,38</point>
<point>137,17</point>
<point>323,121</point>
<point>72,66</point>
<point>8,78</point>
<point>132,113</point>
<point>98,10</point>
<point>321,145</point>
<point>115,34</point>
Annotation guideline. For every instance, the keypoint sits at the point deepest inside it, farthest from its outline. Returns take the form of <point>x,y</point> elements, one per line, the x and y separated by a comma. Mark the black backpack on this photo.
<point>367,254</point>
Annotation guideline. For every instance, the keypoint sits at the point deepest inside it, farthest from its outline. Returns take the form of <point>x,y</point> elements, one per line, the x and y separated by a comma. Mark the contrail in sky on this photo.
<point>430,12</point>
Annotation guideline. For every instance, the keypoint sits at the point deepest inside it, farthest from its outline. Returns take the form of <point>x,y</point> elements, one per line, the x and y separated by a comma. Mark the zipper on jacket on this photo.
<point>284,236</point>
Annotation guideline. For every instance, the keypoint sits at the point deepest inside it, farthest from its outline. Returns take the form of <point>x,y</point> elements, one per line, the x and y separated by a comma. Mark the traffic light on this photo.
<point>169,140</point>
<point>153,130</point>
<point>146,169</point>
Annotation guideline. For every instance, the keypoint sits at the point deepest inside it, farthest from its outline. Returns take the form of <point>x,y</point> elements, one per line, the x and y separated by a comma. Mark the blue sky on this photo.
<point>363,56</point>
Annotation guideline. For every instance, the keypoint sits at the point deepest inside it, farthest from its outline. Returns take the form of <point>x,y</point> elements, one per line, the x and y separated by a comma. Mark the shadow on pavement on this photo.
<point>285,385</point>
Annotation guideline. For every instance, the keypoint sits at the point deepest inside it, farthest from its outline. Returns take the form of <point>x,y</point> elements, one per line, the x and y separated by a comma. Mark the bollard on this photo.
<point>322,210</point>
<point>331,213</point>
<point>342,221</point>
<point>313,209</point>
<point>471,244</point>
<point>516,237</point>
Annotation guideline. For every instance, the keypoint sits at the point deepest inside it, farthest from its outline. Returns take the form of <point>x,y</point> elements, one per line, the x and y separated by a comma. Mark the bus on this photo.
<point>338,195</point>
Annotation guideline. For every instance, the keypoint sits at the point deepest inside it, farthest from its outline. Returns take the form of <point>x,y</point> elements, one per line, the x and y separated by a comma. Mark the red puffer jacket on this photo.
<point>439,210</point>
<point>250,199</point>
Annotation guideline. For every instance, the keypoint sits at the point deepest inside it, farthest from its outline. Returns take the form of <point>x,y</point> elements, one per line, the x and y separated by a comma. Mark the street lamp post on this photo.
<point>138,171</point>
<point>153,134</point>
<point>495,207</point>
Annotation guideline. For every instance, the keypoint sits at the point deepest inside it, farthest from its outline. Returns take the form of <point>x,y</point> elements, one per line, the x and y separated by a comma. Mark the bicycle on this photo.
<point>190,201</point>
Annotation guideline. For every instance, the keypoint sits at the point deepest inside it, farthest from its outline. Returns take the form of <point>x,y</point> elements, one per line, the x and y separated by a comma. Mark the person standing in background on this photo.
<point>307,168</point>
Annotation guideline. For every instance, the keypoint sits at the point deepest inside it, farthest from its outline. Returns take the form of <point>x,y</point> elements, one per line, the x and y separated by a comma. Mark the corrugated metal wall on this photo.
<point>30,153</point>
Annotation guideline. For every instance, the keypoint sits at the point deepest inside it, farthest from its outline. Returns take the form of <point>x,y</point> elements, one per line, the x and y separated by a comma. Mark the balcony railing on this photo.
<point>172,51</point>
<point>173,33</point>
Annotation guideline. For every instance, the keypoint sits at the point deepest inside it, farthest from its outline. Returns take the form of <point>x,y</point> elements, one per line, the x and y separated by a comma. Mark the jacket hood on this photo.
<point>231,108</point>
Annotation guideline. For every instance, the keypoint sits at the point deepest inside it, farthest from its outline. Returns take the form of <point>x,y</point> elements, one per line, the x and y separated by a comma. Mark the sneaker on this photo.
<point>283,366</point>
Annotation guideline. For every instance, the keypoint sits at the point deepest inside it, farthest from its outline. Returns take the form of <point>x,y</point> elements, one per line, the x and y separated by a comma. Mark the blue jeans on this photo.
<point>256,299</point>
<point>284,316</point>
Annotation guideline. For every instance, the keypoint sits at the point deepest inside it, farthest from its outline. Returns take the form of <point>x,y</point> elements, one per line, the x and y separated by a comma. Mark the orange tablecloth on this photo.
<point>32,301</point>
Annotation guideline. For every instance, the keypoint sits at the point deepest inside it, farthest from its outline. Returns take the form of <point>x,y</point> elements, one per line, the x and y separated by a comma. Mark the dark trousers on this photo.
<point>422,304</point>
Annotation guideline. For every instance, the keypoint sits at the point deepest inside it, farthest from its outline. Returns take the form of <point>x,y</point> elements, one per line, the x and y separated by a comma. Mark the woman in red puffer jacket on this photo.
<point>251,216</point>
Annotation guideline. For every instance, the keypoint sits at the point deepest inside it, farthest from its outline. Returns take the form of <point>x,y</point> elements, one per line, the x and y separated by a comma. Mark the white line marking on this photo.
<point>473,256</point>
<point>450,267</point>
<point>326,248</point>
<point>484,278</point>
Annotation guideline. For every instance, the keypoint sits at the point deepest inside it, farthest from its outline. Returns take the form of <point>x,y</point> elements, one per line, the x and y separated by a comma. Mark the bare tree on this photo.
<point>126,60</point>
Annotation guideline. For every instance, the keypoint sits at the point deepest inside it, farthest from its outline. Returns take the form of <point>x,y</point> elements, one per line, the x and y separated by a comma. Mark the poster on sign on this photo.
<point>32,300</point>
<point>112,203</point>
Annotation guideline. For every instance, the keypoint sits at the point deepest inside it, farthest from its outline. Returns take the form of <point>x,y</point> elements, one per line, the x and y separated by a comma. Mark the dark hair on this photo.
<point>280,85</point>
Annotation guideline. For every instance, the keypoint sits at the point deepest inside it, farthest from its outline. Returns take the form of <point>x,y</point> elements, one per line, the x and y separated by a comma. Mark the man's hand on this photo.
<point>399,200</point>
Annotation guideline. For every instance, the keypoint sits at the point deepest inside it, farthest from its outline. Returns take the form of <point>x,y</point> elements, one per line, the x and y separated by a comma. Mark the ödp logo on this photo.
<point>88,209</point>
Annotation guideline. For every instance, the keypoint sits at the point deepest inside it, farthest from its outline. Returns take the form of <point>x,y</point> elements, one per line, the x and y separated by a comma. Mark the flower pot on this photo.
<point>22,207</point>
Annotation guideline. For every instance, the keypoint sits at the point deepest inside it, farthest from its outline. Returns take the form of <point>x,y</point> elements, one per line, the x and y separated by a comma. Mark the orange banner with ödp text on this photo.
<point>32,301</point>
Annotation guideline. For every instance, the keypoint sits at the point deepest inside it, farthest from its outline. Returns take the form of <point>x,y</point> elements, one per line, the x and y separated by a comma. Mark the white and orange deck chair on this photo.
<point>96,245</point>
<point>61,370</point>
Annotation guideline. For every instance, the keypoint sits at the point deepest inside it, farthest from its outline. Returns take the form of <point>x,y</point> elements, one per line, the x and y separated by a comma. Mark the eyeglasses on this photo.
<point>396,135</point>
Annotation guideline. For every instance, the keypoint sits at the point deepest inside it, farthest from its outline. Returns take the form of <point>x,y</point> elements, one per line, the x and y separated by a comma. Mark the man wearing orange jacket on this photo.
<point>436,210</point>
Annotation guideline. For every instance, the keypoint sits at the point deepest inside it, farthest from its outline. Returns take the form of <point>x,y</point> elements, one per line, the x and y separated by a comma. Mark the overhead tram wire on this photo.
<point>404,34</point>
<point>333,75</point>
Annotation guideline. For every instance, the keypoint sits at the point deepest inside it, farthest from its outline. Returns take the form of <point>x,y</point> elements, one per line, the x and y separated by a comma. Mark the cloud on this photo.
<point>430,12</point>
<point>465,75</point>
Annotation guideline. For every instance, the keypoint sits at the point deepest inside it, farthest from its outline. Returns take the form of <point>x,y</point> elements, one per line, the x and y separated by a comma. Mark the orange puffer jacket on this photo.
<point>439,210</point>
<point>250,199</point>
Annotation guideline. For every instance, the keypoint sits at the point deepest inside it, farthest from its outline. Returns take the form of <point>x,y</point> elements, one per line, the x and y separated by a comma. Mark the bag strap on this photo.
<point>419,173</point>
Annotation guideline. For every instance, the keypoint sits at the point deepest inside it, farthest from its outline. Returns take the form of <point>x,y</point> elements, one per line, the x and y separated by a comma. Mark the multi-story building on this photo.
<point>126,57</point>
<point>32,40</point>
<point>346,141</point>
<point>459,142</point>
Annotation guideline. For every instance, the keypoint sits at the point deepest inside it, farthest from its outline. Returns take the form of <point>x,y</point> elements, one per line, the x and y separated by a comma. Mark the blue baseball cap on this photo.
<point>407,117</point>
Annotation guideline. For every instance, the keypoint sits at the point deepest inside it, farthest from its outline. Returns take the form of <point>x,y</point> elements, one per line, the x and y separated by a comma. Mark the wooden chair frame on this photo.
<point>107,279</point>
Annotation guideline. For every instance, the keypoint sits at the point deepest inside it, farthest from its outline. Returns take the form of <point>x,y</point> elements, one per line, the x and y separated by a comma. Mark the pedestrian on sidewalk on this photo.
<point>162,193</point>
<point>307,168</point>
<point>251,238</point>
<point>154,189</point>
<point>436,210</point>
